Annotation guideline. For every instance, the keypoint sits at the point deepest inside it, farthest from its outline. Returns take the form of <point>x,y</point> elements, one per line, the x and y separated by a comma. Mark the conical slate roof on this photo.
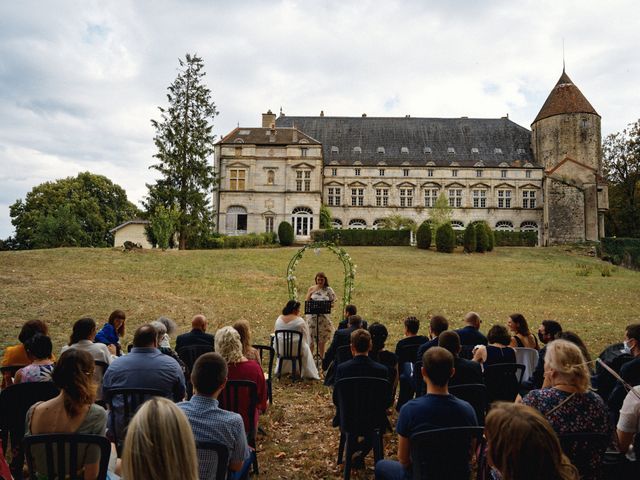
<point>565,98</point>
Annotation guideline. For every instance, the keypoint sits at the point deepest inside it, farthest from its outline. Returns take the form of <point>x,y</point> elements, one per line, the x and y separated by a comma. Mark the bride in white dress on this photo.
<point>291,320</point>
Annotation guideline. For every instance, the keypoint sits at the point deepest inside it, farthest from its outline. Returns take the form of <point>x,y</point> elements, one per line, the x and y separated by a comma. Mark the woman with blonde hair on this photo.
<point>159,443</point>
<point>229,346</point>
<point>244,329</point>
<point>521,445</point>
<point>567,403</point>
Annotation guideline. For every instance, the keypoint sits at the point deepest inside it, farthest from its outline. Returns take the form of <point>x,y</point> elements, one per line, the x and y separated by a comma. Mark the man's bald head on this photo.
<point>199,322</point>
<point>473,319</point>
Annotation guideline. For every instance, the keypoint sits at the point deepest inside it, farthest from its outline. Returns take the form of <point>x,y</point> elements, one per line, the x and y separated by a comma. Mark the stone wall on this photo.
<point>565,210</point>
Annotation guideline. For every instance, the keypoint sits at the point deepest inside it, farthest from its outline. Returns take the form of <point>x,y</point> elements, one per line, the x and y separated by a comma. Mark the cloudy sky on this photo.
<point>80,80</point>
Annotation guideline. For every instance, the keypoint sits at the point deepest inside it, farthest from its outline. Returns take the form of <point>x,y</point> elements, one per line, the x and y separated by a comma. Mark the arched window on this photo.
<point>528,226</point>
<point>271,177</point>
<point>378,223</point>
<point>505,225</point>
<point>236,222</point>
<point>457,225</point>
<point>358,223</point>
<point>336,223</point>
<point>302,221</point>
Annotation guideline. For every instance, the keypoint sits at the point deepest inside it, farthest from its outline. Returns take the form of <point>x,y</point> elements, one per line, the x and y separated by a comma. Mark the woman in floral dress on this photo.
<point>320,291</point>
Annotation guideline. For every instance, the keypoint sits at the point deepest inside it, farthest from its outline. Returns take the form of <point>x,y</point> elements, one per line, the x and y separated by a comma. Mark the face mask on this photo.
<point>626,349</point>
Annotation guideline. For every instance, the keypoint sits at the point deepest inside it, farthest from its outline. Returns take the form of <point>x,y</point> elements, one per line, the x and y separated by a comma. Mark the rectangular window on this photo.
<point>381,172</point>
<point>298,180</point>
<point>478,173</point>
<point>405,172</point>
<point>357,197</point>
<point>430,172</point>
<point>430,197</point>
<point>333,197</point>
<point>504,198</point>
<point>237,179</point>
<point>528,199</point>
<point>303,152</point>
<point>356,172</point>
<point>242,222</point>
<point>382,197</point>
<point>503,174</point>
<point>406,197</point>
<point>268,224</point>
<point>334,172</point>
<point>454,173</point>
<point>307,181</point>
<point>479,198</point>
<point>455,197</point>
<point>527,173</point>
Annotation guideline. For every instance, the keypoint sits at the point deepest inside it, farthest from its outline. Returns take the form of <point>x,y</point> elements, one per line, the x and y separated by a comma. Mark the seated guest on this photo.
<point>437,325</point>
<point>211,423</point>
<point>405,363</point>
<point>112,331</point>
<point>436,409</point>
<point>522,336</point>
<point>379,354</point>
<point>291,320</point>
<point>197,335</point>
<point>568,404</point>
<point>523,446</point>
<point>239,368</point>
<point>341,337</point>
<point>72,411</point>
<point>159,444</point>
<point>630,371</point>
<point>465,371</point>
<point>84,331</point>
<point>243,328</point>
<point>629,421</point>
<point>41,367</point>
<point>348,311</point>
<point>470,334</point>
<point>498,350</point>
<point>170,328</point>
<point>411,337</point>
<point>16,355</point>
<point>549,330</point>
<point>144,367</point>
<point>163,343</point>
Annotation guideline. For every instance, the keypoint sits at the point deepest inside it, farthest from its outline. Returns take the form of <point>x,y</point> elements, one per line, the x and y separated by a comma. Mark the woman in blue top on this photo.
<point>498,350</point>
<point>112,331</point>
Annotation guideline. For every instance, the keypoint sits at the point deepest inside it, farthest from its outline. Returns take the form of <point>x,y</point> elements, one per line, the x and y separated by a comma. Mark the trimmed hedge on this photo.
<point>285,234</point>
<point>515,239</point>
<point>482,237</point>
<point>445,238</point>
<point>621,251</point>
<point>240,241</point>
<point>423,235</point>
<point>469,240</point>
<point>353,237</point>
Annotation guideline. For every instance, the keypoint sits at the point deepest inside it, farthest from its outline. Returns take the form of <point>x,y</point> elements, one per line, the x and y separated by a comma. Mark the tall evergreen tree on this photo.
<point>184,142</point>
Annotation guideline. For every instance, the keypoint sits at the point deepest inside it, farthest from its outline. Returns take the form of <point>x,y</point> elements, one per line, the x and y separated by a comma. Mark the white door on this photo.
<point>302,221</point>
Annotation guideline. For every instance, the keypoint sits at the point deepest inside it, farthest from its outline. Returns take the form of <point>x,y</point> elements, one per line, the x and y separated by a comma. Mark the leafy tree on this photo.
<point>285,234</point>
<point>398,222</point>
<point>621,167</point>
<point>163,226</point>
<point>491,239</point>
<point>325,217</point>
<point>93,205</point>
<point>470,238</point>
<point>184,143</point>
<point>441,212</point>
<point>445,238</point>
<point>423,235</point>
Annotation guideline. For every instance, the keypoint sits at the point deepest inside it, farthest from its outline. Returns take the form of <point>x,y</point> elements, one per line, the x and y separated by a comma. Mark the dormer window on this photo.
<point>497,150</point>
<point>475,150</point>
<point>404,150</point>
<point>380,150</point>
<point>521,151</point>
<point>427,150</point>
<point>335,149</point>
<point>357,149</point>
<point>451,150</point>
<point>238,140</point>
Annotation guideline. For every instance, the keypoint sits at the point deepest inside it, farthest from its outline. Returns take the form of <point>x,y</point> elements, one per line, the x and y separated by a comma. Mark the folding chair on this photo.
<point>269,353</point>
<point>475,394</point>
<point>288,348</point>
<point>204,450</point>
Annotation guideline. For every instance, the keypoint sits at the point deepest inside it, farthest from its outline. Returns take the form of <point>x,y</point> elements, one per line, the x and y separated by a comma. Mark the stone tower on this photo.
<point>566,141</point>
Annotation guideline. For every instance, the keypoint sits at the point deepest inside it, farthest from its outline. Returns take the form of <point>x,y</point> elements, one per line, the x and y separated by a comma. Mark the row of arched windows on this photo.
<point>506,225</point>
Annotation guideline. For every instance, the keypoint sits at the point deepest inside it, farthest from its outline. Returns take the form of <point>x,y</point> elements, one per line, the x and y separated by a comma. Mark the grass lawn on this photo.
<point>62,285</point>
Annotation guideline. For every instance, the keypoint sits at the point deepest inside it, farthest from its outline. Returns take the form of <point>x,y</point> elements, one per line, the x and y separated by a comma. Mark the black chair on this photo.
<point>98,373</point>
<point>222,459</point>
<point>466,352</point>
<point>189,355</point>
<point>61,451</point>
<point>229,399</point>
<point>288,348</point>
<point>408,353</point>
<point>443,453</point>
<point>475,394</point>
<point>406,357</point>
<point>421,387</point>
<point>361,409</point>
<point>132,399</point>
<point>265,351</point>
<point>15,401</point>
<point>581,447</point>
<point>343,354</point>
<point>503,381</point>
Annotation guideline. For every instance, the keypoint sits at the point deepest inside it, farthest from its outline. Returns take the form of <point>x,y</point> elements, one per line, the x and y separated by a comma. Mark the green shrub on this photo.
<point>491,241</point>
<point>470,239</point>
<point>621,251</point>
<point>353,237</point>
<point>423,235</point>
<point>285,234</point>
<point>445,238</point>
<point>515,239</point>
<point>583,270</point>
<point>482,237</point>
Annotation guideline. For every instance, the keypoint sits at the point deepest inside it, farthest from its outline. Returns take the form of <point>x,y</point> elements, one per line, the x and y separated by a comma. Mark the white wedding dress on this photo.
<point>309,369</point>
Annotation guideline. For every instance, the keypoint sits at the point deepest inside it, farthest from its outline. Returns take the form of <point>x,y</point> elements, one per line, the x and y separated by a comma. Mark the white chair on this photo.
<point>527,357</point>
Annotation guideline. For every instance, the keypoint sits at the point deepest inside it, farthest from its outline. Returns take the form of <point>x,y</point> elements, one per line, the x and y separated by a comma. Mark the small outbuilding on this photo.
<point>131,231</point>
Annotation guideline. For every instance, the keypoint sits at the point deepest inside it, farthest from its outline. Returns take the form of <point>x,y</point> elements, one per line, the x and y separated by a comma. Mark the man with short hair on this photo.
<point>405,363</point>
<point>470,334</point>
<point>437,325</point>
<point>348,311</point>
<point>197,335</point>
<point>466,371</point>
<point>436,409</point>
<point>144,367</point>
<point>209,422</point>
<point>341,337</point>
<point>549,330</point>
<point>630,371</point>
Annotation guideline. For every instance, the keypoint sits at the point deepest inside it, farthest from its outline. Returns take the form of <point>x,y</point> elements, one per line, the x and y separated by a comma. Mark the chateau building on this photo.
<point>364,169</point>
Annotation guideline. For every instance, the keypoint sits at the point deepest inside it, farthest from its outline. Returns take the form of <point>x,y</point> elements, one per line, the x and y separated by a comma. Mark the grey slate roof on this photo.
<point>417,135</point>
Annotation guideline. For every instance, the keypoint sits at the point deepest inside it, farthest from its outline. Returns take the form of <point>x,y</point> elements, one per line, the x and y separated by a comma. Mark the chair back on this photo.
<point>267,355</point>
<point>475,394</point>
<point>466,352</point>
<point>288,344</point>
<point>581,448</point>
<point>233,397</point>
<point>61,453</point>
<point>190,354</point>
<point>98,373</point>
<point>343,354</point>
<point>213,460</point>
<point>120,415</point>
<point>421,387</point>
<point>503,381</point>
<point>408,353</point>
<point>362,403</point>
<point>443,453</point>
<point>527,357</point>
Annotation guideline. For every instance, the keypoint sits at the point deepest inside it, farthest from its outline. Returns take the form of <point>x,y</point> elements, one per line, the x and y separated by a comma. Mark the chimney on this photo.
<point>364,114</point>
<point>268,119</point>
<point>322,113</point>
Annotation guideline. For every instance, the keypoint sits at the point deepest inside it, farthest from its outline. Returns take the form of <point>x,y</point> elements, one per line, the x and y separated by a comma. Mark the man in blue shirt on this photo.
<point>436,409</point>
<point>144,367</point>
<point>470,334</point>
<point>209,422</point>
